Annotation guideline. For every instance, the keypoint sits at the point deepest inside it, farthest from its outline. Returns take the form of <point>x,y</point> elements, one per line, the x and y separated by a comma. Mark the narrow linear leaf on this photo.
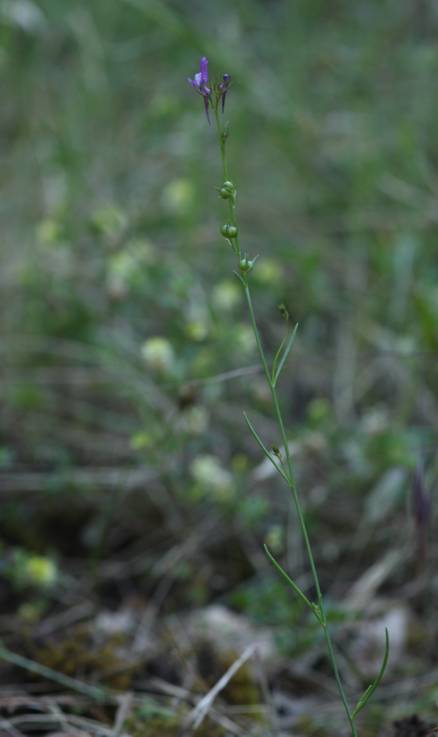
<point>264,448</point>
<point>279,363</point>
<point>372,687</point>
<point>277,358</point>
<point>292,583</point>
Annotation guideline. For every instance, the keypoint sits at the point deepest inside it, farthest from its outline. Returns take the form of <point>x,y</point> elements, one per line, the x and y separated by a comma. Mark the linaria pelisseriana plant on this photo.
<point>214,94</point>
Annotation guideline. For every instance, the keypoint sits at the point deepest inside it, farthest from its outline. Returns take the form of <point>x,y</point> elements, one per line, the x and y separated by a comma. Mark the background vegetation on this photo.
<point>132,498</point>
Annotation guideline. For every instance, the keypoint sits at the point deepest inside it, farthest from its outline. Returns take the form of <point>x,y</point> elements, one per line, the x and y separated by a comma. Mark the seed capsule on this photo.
<point>229,231</point>
<point>246,265</point>
<point>225,194</point>
<point>227,191</point>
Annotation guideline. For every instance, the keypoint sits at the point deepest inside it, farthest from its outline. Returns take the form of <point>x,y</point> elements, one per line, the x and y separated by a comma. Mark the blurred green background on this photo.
<point>126,354</point>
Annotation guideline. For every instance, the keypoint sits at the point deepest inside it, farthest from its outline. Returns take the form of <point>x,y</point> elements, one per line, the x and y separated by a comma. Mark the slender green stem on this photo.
<point>222,142</point>
<point>231,201</point>
<point>300,514</point>
<point>290,476</point>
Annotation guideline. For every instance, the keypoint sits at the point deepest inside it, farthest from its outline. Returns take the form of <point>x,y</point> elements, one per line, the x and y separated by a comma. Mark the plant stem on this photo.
<point>232,201</point>
<point>289,464</point>
<point>299,511</point>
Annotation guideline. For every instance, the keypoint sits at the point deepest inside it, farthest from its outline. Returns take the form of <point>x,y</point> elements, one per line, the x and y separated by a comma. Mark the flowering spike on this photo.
<point>200,84</point>
<point>214,93</point>
<point>204,70</point>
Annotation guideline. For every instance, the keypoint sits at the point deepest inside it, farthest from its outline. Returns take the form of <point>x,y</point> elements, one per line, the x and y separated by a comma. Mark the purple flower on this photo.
<point>223,88</point>
<point>200,84</point>
<point>214,94</point>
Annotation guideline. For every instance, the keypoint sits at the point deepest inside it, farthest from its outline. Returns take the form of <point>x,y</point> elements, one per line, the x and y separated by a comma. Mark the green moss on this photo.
<point>79,654</point>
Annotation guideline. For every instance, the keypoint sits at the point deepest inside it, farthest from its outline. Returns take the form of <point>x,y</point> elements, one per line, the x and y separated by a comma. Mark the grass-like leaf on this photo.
<point>313,607</point>
<point>264,448</point>
<point>372,687</point>
<point>282,354</point>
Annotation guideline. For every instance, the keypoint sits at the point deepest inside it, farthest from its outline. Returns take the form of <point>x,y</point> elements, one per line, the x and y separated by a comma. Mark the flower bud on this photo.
<point>227,191</point>
<point>246,264</point>
<point>229,231</point>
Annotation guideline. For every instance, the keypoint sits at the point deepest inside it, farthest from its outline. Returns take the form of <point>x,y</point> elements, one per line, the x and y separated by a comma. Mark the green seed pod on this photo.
<point>229,231</point>
<point>227,191</point>
<point>225,194</point>
<point>246,265</point>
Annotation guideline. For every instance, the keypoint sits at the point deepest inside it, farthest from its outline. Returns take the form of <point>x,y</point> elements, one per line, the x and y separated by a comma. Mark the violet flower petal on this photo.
<point>203,74</point>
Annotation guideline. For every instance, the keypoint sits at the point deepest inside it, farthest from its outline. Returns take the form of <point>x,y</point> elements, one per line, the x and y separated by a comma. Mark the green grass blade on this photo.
<point>284,351</point>
<point>277,359</point>
<point>264,448</point>
<point>372,687</point>
<point>291,582</point>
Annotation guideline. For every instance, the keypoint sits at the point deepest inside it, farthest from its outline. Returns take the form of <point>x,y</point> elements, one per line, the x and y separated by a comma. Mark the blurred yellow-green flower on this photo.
<point>226,295</point>
<point>158,354</point>
<point>196,330</point>
<point>40,571</point>
<point>49,232</point>
<point>178,196</point>
<point>26,569</point>
<point>142,440</point>
<point>124,268</point>
<point>244,338</point>
<point>212,478</point>
<point>275,539</point>
<point>268,272</point>
<point>109,220</point>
